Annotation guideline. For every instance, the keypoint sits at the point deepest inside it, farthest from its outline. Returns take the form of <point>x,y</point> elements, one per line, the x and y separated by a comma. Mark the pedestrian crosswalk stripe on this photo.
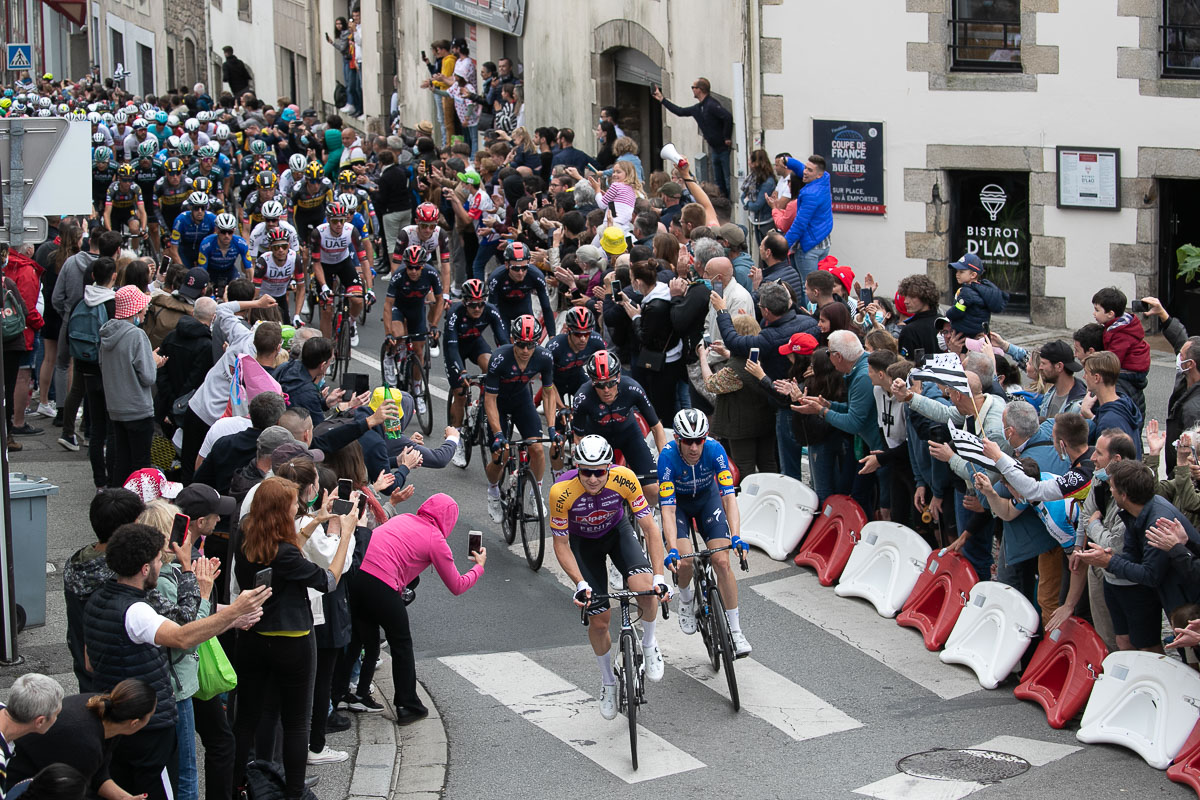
<point>374,364</point>
<point>857,624</point>
<point>570,715</point>
<point>764,693</point>
<point>902,786</point>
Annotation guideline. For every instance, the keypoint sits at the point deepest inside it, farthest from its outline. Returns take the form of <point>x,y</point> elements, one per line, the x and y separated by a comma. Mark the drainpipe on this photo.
<point>754,136</point>
<point>315,55</point>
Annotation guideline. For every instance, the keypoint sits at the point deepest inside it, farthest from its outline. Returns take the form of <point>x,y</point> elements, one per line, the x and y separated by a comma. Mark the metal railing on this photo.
<point>984,45</point>
<point>1179,54</point>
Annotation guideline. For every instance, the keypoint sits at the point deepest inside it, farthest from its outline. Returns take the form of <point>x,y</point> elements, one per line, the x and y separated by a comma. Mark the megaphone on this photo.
<point>669,153</point>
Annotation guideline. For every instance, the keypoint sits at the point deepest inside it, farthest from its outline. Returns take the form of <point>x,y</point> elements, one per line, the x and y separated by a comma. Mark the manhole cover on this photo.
<point>982,766</point>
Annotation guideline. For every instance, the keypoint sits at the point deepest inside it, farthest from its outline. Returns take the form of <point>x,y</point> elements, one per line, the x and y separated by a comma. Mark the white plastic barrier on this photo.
<point>992,632</point>
<point>884,566</point>
<point>776,512</point>
<point>1143,701</point>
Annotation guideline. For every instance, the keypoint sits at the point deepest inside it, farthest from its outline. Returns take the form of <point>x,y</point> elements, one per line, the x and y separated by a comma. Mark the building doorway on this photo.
<point>1179,224</point>
<point>640,117</point>
<point>989,216</point>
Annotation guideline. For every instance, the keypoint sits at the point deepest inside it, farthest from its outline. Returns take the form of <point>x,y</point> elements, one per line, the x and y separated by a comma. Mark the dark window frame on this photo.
<point>960,30</point>
<point>1167,34</point>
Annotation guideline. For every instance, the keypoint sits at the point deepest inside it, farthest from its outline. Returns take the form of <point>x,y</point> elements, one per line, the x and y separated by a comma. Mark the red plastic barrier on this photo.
<point>1185,768</point>
<point>1063,670</point>
<point>938,598</point>
<point>832,537</point>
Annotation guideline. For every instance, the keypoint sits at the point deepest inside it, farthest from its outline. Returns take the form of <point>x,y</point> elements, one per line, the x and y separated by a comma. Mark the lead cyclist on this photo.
<point>588,519</point>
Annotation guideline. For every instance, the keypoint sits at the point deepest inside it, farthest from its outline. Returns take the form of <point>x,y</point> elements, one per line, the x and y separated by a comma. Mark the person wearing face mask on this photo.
<point>128,370</point>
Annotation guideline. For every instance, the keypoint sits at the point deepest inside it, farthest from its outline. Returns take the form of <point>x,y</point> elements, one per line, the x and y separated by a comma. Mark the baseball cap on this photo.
<point>200,500</point>
<point>843,274</point>
<point>969,261</point>
<point>471,176</point>
<point>731,233</point>
<point>130,300</point>
<point>613,241</point>
<point>590,254</point>
<point>271,438</point>
<point>671,189</point>
<point>293,449</point>
<point>150,484</point>
<point>1059,351</point>
<point>799,343</point>
<point>194,283</point>
<point>309,112</point>
<point>287,115</point>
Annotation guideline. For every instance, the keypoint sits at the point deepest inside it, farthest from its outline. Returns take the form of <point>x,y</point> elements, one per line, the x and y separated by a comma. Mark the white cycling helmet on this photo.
<point>272,209</point>
<point>226,222</point>
<point>197,200</point>
<point>222,132</point>
<point>350,201</point>
<point>298,162</point>
<point>593,451</point>
<point>173,120</point>
<point>691,423</point>
<point>192,124</point>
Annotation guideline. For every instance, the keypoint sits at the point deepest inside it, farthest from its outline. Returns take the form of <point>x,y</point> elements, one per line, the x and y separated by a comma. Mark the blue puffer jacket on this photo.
<point>814,211</point>
<point>974,304</point>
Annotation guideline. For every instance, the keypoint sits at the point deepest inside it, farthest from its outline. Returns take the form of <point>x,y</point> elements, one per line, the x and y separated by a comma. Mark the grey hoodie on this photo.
<point>128,370</point>
<point>68,286</point>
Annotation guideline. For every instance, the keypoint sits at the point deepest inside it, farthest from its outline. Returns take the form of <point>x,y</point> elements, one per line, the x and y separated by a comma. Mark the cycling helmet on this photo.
<point>690,423</point>
<point>101,154</point>
<point>64,109</point>
<point>94,117</point>
<point>222,132</point>
<point>173,166</point>
<point>313,171</point>
<point>44,102</point>
<point>414,254</point>
<point>272,209</point>
<point>5,103</point>
<point>593,451</point>
<point>263,165</point>
<point>203,185</point>
<point>97,138</point>
<point>298,162</point>
<point>347,177</point>
<point>516,251</point>
<point>125,172</point>
<point>265,180</point>
<point>474,290</point>
<point>603,366</point>
<point>258,147</point>
<point>579,319</point>
<point>207,151</point>
<point>336,210</point>
<point>147,107</point>
<point>146,149</point>
<point>140,124</point>
<point>186,148</point>
<point>206,116</point>
<point>45,112</point>
<point>172,142</point>
<point>107,118</point>
<point>120,117</point>
<point>160,117</point>
<point>79,115</point>
<point>277,236</point>
<point>427,212</point>
<point>226,222</point>
<point>173,120</point>
<point>192,124</point>
<point>525,328</point>
<point>197,200</point>
<point>350,201</point>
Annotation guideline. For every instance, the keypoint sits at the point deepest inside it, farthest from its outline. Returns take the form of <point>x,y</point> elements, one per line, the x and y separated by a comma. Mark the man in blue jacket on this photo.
<point>809,235</point>
<point>303,379</point>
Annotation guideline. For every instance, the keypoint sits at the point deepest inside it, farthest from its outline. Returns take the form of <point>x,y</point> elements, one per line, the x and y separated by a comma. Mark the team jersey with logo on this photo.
<point>258,238</point>
<point>170,199</point>
<point>593,416</point>
<point>407,292</point>
<point>222,264</point>
<point>507,380</point>
<point>187,234</point>
<point>123,199</point>
<point>574,512</point>
<point>274,278</point>
<point>308,202</point>
<point>568,364</point>
<point>678,480</point>
<point>437,244</point>
<point>335,249</point>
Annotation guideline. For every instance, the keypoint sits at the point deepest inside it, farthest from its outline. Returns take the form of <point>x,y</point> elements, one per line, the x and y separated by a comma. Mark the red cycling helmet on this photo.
<point>525,328</point>
<point>278,235</point>
<point>579,319</point>
<point>427,212</point>
<point>516,251</point>
<point>414,254</point>
<point>473,290</point>
<point>604,366</point>
<point>336,211</point>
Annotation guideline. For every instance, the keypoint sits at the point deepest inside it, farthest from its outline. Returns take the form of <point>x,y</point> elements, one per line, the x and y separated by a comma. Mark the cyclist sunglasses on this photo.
<point>525,345</point>
<point>593,473</point>
<point>519,267</point>
<point>607,385</point>
<point>693,442</point>
<point>475,305</point>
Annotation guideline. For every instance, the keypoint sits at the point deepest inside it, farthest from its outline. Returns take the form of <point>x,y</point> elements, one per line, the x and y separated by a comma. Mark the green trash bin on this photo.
<point>27,504</point>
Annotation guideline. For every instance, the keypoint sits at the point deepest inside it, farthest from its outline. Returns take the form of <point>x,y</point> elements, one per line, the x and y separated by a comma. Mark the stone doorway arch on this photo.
<point>624,58</point>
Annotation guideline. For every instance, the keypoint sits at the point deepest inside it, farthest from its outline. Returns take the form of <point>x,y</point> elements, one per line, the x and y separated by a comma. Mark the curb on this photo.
<point>399,763</point>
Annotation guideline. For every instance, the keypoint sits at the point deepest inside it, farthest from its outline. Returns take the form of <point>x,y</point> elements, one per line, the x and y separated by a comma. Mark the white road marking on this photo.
<point>857,624</point>
<point>570,715</point>
<point>374,364</point>
<point>763,692</point>
<point>910,787</point>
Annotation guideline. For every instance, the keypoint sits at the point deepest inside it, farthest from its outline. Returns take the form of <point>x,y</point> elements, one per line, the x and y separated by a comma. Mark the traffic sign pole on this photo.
<point>16,235</point>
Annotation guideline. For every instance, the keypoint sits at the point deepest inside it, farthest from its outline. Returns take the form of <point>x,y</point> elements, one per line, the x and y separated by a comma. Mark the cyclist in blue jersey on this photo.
<point>572,349</point>
<point>511,287</point>
<point>404,308</point>
<point>190,229</point>
<point>463,339</point>
<point>507,397</point>
<point>225,254</point>
<point>695,484</point>
<point>361,222</point>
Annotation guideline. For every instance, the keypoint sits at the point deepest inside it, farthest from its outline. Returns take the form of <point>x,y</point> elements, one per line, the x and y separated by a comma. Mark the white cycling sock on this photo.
<point>606,671</point>
<point>731,614</point>
<point>686,593</point>
<point>493,490</point>
<point>648,633</point>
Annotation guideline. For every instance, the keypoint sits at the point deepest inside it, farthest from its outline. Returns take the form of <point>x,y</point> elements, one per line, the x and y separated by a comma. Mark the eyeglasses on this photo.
<point>607,385</point>
<point>524,345</point>
<point>475,305</point>
<point>593,473</point>
<point>692,442</point>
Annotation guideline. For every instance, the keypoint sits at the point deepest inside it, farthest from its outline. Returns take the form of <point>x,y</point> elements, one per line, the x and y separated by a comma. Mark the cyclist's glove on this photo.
<point>738,544</point>
<point>672,559</point>
<point>556,436</point>
<point>659,585</point>
<point>326,292</point>
<point>582,590</point>
<point>498,442</point>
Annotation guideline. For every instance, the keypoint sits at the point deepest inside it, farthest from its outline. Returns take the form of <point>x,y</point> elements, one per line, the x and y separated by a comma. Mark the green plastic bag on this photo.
<point>216,673</point>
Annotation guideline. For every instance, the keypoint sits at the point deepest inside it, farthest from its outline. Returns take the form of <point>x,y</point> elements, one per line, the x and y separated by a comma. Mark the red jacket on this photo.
<point>1125,337</point>
<point>26,273</point>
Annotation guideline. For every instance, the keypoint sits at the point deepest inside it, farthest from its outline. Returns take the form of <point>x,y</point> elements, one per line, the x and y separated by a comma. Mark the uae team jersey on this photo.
<point>575,512</point>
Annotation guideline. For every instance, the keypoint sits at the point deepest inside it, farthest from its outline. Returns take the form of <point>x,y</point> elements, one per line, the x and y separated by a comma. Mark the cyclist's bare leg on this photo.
<point>418,361</point>
<point>155,241</point>
<point>493,468</point>
<point>537,461</point>
<point>598,633</point>
<point>684,545</point>
<point>642,583</point>
<point>726,581</point>
<point>458,406</point>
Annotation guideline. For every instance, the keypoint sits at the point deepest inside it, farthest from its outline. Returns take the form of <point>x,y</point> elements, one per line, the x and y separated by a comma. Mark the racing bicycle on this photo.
<point>521,505</point>
<point>710,614</point>
<point>474,426</point>
<point>631,667</point>
<point>398,363</point>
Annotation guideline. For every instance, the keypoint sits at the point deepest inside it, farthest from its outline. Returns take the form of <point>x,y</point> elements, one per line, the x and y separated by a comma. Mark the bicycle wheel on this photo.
<point>720,629</point>
<point>509,506</point>
<point>341,350</point>
<point>531,519</point>
<point>482,433</point>
<point>426,419</point>
<point>704,620</point>
<point>629,680</point>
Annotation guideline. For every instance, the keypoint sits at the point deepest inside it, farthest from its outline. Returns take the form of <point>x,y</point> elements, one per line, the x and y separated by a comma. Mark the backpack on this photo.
<point>249,380</point>
<point>83,330</point>
<point>14,316</point>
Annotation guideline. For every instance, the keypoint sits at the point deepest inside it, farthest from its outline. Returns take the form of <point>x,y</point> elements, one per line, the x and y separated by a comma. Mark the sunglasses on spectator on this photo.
<point>607,385</point>
<point>593,473</point>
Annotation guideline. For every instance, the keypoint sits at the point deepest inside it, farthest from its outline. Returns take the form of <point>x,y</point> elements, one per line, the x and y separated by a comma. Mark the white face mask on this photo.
<point>1180,361</point>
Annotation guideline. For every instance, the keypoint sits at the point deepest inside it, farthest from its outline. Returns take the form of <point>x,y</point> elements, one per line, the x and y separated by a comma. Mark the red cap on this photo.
<point>843,274</point>
<point>827,263</point>
<point>800,343</point>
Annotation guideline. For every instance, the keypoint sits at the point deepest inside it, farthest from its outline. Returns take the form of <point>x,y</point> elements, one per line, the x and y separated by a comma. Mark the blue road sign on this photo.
<point>20,56</point>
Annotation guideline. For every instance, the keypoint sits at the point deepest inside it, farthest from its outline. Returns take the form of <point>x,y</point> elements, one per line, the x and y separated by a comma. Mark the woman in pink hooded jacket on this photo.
<point>399,551</point>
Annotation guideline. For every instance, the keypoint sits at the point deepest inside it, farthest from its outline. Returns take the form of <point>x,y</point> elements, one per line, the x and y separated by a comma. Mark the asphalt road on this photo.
<point>833,696</point>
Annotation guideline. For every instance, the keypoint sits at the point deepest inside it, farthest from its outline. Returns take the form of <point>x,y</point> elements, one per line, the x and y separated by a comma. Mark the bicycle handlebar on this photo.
<point>623,597</point>
<point>741,554</point>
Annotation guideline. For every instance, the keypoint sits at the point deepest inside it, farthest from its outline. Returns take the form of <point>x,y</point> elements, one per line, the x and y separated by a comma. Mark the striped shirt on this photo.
<point>623,197</point>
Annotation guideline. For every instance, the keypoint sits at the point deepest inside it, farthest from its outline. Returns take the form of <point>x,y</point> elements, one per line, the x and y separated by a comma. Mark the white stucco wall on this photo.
<point>252,42</point>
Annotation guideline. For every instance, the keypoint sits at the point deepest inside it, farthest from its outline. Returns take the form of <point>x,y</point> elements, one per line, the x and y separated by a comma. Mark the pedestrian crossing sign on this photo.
<point>20,56</point>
